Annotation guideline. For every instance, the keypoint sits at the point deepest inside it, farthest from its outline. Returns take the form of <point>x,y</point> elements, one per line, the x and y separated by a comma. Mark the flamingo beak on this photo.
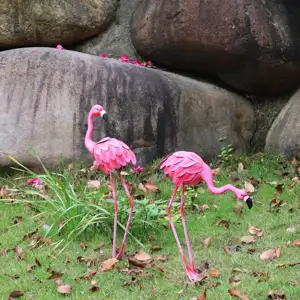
<point>249,201</point>
<point>104,115</point>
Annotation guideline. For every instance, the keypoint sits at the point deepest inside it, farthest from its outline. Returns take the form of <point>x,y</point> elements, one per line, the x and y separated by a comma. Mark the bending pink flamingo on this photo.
<point>187,168</point>
<point>110,154</point>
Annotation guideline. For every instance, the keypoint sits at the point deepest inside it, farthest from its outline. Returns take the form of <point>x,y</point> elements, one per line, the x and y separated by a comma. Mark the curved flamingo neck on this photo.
<point>89,143</point>
<point>207,176</point>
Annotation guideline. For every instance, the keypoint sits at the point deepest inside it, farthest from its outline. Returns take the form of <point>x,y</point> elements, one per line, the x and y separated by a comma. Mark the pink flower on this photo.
<point>136,62</point>
<point>137,170</point>
<point>59,47</point>
<point>34,181</point>
<point>33,50</point>
<point>144,64</point>
<point>124,58</point>
<point>149,64</point>
<point>103,55</point>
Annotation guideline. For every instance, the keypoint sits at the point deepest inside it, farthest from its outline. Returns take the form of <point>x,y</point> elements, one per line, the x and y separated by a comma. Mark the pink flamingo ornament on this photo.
<point>187,168</point>
<point>110,154</point>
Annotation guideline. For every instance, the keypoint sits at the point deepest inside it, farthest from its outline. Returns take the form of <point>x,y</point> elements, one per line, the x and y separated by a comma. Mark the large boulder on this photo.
<point>284,135</point>
<point>46,96</point>
<point>116,40</point>
<point>46,23</point>
<point>253,46</point>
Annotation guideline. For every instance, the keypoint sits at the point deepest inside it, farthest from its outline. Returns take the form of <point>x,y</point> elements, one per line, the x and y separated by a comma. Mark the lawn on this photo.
<point>80,220</point>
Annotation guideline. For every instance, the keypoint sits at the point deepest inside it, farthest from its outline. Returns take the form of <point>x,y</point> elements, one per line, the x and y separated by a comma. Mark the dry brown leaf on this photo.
<point>141,187</point>
<point>276,295</point>
<point>240,168</point>
<point>255,231</point>
<point>142,256</point>
<point>249,188</point>
<point>252,250</point>
<point>296,243</point>
<point>294,161</point>
<point>15,294</point>
<point>206,242</point>
<point>202,296</point>
<point>90,274</point>
<point>93,184</point>
<point>150,187</point>
<point>235,281</point>
<point>238,294</point>
<point>64,289</point>
<point>54,275</point>
<point>109,264</point>
<point>271,254</point>
<point>83,245</point>
<point>216,172</point>
<point>248,239</point>
<point>17,220</point>
<point>214,273</point>
<point>277,172</point>
<point>239,209</point>
<point>224,223</point>
<point>155,248</point>
<point>226,249</point>
<point>19,252</point>
<point>140,259</point>
<point>201,208</point>
<point>161,257</point>
<point>13,276</point>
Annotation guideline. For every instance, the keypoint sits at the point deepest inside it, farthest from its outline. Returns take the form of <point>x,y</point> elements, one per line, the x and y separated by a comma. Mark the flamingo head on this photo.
<point>242,195</point>
<point>98,110</point>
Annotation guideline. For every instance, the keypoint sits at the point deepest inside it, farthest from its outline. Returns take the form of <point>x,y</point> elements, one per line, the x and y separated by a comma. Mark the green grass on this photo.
<point>153,284</point>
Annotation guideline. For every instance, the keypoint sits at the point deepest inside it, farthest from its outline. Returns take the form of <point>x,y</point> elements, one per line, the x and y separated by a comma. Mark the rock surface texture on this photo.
<point>46,96</point>
<point>284,135</point>
<point>254,46</point>
<point>116,40</point>
<point>46,23</point>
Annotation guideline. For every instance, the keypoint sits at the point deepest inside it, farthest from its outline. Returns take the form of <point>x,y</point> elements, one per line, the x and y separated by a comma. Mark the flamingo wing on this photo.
<point>111,154</point>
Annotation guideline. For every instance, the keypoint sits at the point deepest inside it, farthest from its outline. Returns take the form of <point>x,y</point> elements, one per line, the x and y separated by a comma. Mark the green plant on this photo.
<point>226,151</point>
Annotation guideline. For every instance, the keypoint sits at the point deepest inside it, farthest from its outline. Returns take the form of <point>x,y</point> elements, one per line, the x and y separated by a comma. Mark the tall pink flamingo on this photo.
<point>110,154</point>
<point>187,168</point>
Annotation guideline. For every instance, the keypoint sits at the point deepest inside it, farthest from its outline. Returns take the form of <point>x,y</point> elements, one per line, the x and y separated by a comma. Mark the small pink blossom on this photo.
<point>144,64</point>
<point>103,55</point>
<point>59,47</point>
<point>149,64</point>
<point>136,62</point>
<point>34,181</point>
<point>124,58</point>
<point>137,170</point>
<point>33,51</point>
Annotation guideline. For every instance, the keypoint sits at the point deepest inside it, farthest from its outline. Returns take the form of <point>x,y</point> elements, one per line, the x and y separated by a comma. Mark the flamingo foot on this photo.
<point>192,275</point>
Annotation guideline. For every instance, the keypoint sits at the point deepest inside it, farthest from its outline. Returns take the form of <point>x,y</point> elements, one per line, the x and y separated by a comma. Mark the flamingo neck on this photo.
<point>89,143</point>
<point>207,176</point>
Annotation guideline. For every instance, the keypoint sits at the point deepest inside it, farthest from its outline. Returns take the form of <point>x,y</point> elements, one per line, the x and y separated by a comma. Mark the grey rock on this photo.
<point>46,96</point>
<point>47,23</point>
<point>284,135</point>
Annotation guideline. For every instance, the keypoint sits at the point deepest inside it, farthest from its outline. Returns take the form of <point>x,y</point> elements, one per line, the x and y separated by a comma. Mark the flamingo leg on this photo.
<point>190,272</point>
<point>129,217</point>
<point>116,214</point>
<point>185,229</point>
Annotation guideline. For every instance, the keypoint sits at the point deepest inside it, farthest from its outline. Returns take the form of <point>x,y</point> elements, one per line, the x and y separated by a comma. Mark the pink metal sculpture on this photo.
<point>110,154</point>
<point>187,168</point>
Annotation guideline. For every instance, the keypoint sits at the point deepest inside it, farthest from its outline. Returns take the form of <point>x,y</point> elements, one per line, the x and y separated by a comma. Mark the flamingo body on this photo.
<point>111,154</point>
<point>183,167</point>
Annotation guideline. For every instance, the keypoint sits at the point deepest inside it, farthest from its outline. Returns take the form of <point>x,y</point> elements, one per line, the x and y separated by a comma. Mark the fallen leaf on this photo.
<point>17,220</point>
<point>132,271</point>
<point>288,265</point>
<point>37,262</point>
<point>252,250</point>
<point>55,275</point>
<point>271,254</point>
<point>139,196</point>
<point>296,243</point>
<point>240,168</point>
<point>90,274</point>
<point>216,172</point>
<point>15,294</point>
<point>201,208</point>
<point>149,186</point>
<point>238,294</point>
<point>94,288</point>
<point>64,289</point>
<point>155,248</point>
<point>161,257</point>
<point>30,268</point>
<point>255,231</point>
<point>239,209</point>
<point>83,245</point>
<point>58,282</point>
<point>224,223</point>
<point>226,249</point>
<point>141,255</point>
<point>202,296</point>
<point>141,187</point>
<point>154,266</point>
<point>123,173</point>
<point>248,239</point>
<point>235,281</point>
<point>19,252</point>
<point>109,264</point>
<point>93,184</point>
<point>276,295</point>
<point>249,188</point>
<point>13,276</point>
<point>291,229</point>
<point>214,273</point>
<point>279,188</point>
<point>277,172</point>
<point>206,242</point>
<point>67,260</point>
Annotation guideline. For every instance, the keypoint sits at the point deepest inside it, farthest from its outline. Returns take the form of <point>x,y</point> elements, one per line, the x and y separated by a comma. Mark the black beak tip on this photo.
<point>249,202</point>
<point>105,117</point>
